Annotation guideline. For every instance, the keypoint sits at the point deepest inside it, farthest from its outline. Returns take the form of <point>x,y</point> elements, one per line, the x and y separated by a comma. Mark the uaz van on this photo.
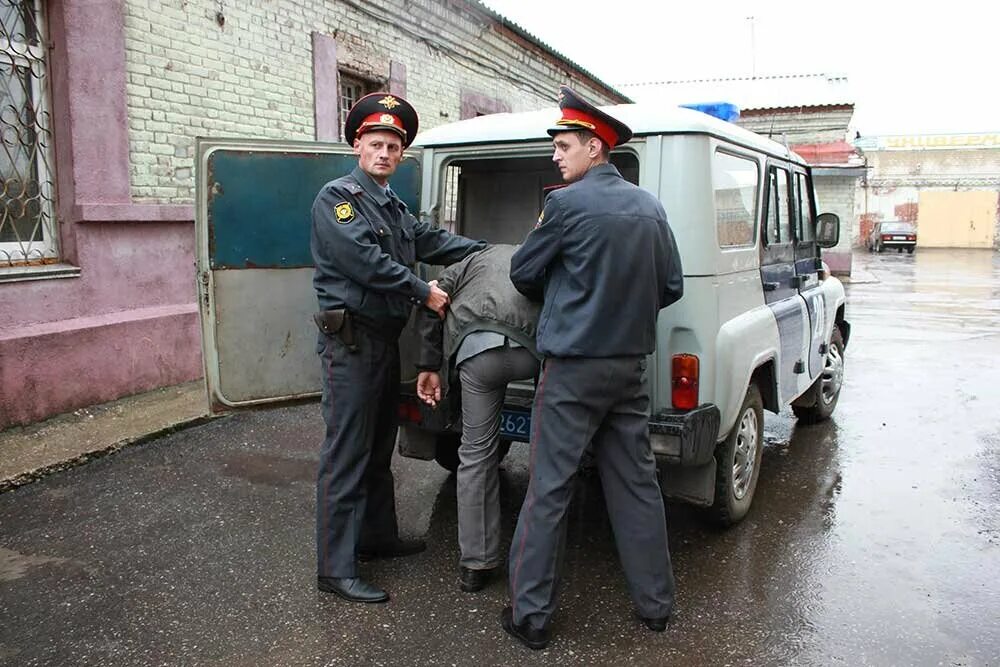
<point>761,325</point>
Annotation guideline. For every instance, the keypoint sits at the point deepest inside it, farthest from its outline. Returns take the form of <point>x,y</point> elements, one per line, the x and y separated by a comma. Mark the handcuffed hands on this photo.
<point>429,387</point>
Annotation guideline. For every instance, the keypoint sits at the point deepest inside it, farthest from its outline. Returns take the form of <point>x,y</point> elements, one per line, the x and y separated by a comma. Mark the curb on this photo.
<point>25,478</point>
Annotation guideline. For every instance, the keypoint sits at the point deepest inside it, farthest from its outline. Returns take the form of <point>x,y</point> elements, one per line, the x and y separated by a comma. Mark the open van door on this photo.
<point>253,206</point>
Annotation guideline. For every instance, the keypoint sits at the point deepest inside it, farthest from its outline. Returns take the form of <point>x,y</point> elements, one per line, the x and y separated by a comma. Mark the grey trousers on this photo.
<point>607,401</point>
<point>484,384</point>
<point>355,492</point>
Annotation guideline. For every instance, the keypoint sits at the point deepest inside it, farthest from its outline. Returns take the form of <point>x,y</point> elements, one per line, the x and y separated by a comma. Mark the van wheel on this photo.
<point>446,451</point>
<point>910,250</point>
<point>738,462</point>
<point>825,391</point>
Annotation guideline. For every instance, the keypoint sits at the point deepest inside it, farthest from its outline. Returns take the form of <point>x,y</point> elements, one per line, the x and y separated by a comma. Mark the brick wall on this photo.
<point>969,167</point>
<point>799,126</point>
<point>837,194</point>
<point>203,68</point>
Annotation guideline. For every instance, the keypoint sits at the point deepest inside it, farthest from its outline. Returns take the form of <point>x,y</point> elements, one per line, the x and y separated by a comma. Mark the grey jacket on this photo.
<point>365,246</point>
<point>482,299</point>
<point>605,260</point>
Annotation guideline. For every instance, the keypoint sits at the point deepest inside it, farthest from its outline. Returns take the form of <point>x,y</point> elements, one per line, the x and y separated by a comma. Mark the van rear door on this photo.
<point>254,267</point>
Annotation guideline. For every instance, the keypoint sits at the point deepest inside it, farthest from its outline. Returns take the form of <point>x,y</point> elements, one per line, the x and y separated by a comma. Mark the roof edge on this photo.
<point>505,22</point>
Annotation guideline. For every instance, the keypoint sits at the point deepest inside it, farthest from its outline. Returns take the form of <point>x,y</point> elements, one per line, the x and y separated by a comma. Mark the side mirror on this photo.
<point>827,230</point>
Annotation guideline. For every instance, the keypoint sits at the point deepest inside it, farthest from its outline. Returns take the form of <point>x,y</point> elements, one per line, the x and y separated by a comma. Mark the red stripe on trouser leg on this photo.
<point>529,501</point>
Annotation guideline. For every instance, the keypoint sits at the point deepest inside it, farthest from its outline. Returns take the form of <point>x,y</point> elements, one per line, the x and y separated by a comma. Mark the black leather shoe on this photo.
<point>656,624</point>
<point>527,635</point>
<point>470,580</point>
<point>392,549</point>
<point>352,588</point>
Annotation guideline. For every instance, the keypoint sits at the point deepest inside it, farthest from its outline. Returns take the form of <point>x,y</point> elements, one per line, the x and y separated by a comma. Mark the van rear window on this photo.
<point>499,199</point>
<point>735,181</point>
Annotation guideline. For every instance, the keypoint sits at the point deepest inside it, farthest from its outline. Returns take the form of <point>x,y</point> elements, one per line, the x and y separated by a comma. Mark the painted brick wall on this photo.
<point>940,167</point>
<point>191,73</point>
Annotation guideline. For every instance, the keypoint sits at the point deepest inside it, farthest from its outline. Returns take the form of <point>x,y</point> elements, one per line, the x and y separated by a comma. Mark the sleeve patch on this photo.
<point>344,212</point>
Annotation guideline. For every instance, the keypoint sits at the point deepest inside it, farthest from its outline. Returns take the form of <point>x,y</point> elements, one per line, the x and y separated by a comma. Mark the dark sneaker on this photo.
<point>470,580</point>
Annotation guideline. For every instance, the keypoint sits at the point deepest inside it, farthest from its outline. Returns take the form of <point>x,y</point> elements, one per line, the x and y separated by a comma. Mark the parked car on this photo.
<point>893,234</point>
<point>761,326</point>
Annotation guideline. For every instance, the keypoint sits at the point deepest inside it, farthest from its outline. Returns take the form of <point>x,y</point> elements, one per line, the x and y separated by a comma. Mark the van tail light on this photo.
<point>886,237</point>
<point>409,412</point>
<point>911,238</point>
<point>684,381</point>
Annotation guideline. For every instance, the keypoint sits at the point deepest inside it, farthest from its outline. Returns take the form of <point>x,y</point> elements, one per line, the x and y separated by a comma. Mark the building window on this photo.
<point>473,105</point>
<point>27,224</point>
<point>352,89</point>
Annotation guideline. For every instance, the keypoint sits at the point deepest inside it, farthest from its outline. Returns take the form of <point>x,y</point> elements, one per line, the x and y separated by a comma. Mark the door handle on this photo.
<point>770,287</point>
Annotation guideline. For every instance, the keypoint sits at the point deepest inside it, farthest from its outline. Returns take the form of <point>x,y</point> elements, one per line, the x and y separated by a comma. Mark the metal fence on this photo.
<point>27,221</point>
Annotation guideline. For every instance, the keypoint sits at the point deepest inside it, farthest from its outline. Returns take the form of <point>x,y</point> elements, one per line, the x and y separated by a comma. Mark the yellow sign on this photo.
<point>924,141</point>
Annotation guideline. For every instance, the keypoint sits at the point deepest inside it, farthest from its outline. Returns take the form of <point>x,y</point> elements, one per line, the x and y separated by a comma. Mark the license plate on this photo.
<point>898,238</point>
<point>515,425</point>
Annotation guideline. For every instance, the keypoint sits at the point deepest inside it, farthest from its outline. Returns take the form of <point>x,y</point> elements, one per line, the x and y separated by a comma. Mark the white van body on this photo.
<point>761,315</point>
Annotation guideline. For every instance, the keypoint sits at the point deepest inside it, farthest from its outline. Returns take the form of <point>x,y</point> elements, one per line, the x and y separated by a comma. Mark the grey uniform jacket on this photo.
<point>365,254</point>
<point>482,299</point>
<point>605,261</point>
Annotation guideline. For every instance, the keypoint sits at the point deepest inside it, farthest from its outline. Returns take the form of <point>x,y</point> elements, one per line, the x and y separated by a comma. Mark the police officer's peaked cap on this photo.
<point>579,114</point>
<point>381,111</point>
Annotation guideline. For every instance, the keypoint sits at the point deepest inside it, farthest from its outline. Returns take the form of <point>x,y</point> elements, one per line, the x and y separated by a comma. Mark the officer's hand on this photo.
<point>437,300</point>
<point>429,387</point>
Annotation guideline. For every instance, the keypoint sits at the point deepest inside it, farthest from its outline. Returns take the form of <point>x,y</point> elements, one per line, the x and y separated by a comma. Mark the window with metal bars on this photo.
<point>27,220</point>
<point>352,89</point>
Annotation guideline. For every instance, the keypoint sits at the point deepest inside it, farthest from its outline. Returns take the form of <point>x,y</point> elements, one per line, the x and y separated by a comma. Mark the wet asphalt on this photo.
<point>874,538</point>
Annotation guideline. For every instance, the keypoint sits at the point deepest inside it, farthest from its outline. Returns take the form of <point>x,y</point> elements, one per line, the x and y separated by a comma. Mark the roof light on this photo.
<point>721,110</point>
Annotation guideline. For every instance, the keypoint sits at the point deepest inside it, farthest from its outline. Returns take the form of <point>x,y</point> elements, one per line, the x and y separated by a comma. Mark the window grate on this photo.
<point>352,89</point>
<point>27,223</point>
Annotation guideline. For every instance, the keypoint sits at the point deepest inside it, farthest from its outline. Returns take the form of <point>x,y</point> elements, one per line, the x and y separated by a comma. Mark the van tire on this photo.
<point>734,491</point>
<point>446,451</point>
<point>821,398</point>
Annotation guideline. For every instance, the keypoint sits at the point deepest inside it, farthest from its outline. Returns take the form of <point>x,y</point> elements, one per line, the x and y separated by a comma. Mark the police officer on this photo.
<point>605,261</point>
<point>364,245</point>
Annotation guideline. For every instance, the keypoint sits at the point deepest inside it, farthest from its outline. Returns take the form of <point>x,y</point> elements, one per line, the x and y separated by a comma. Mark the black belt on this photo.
<point>384,328</point>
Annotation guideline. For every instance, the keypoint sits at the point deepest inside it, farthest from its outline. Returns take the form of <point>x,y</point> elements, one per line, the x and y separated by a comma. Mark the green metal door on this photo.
<point>252,225</point>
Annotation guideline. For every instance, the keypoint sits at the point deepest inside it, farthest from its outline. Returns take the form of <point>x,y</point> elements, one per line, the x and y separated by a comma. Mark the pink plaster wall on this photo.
<point>74,363</point>
<point>129,322</point>
<point>325,91</point>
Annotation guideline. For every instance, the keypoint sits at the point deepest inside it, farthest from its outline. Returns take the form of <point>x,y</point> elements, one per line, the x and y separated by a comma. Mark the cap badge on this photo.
<point>389,102</point>
<point>386,118</point>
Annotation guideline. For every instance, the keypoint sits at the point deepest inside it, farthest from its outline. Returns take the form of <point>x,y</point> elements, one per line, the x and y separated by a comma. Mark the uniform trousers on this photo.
<point>484,384</point>
<point>579,400</point>
<point>355,493</point>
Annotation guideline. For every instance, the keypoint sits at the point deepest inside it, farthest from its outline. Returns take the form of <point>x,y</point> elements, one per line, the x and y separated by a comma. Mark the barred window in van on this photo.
<point>735,181</point>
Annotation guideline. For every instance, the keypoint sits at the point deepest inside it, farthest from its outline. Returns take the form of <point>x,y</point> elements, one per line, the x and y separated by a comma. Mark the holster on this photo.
<point>337,323</point>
